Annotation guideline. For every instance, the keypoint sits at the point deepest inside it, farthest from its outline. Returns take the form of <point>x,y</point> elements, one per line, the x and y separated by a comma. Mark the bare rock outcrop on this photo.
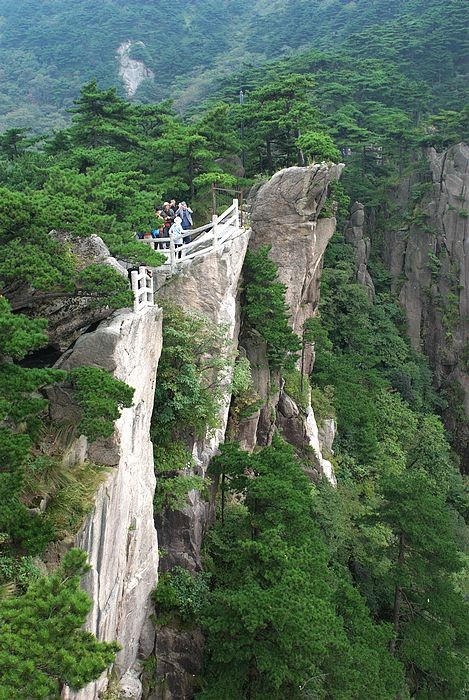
<point>119,535</point>
<point>285,214</point>
<point>429,262</point>
<point>355,235</point>
<point>132,72</point>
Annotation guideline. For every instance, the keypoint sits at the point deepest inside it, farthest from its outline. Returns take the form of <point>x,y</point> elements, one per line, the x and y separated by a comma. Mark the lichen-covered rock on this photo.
<point>179,660</point>
<point>429,263</point>
<point>119,535</point>
<point>355,235</point>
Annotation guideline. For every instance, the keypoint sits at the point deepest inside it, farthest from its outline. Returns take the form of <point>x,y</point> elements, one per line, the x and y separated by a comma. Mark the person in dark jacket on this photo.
<point>185,213</point>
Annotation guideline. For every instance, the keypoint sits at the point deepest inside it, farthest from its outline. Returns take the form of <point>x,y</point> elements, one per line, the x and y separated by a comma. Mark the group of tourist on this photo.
<point>177,221</point>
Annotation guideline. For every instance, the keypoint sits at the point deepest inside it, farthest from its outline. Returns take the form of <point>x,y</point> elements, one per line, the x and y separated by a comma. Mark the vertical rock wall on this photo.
<point>286,216</point>
<point>119,535</point>
<point>210,286</point>
<point>429,263</point>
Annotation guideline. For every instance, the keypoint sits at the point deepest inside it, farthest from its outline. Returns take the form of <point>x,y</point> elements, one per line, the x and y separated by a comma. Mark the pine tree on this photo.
<point>42,647</point>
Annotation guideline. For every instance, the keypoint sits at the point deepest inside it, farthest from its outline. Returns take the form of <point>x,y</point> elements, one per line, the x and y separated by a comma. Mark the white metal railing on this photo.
<point>142,287</point>
<point>204,239</point>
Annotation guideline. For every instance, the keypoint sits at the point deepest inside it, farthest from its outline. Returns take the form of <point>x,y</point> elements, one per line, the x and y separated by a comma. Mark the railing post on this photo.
<point>214,199</point>
<point>236,206</point>
<point>134,284</point>
<point>172,253</point>
<point>149,297</point>
<point>215,231</point>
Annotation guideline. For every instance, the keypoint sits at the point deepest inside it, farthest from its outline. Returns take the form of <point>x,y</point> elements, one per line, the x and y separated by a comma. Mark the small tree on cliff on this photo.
<point>318,146</point>
<point>42,647</point>
<point>265,309</point>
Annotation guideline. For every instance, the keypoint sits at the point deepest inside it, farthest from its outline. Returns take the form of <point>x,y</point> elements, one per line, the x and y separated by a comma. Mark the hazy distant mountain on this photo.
<point>48,49</point>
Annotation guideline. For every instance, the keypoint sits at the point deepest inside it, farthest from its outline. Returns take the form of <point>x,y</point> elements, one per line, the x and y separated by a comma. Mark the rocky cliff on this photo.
<point>209,286</point>
<point>286,215</point>
<point>428,257</point>
<point>119,535</point>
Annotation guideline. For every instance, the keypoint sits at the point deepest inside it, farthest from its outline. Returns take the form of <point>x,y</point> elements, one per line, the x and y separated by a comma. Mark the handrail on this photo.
<point>142,287</point>
<point>204,239</point>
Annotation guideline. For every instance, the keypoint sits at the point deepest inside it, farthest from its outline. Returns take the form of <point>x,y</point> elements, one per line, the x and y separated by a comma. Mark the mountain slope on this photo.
<point>48,50</point>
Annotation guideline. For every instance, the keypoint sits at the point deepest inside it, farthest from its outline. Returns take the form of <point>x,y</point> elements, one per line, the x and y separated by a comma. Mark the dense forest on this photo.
<point>50,49</point>
<point>341,593</point>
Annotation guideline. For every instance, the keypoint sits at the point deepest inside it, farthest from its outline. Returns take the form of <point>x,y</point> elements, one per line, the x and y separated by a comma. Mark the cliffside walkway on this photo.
<point>204,240</point>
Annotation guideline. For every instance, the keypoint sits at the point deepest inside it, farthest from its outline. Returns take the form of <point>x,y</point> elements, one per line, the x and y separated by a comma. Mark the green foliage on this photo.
<point>73,498</point>
<point>337,203</point>
<point>295,625</point>
<point>174,476</point>
<point>192,368</point>
<point>45,63</point>
<point>265,309</point>
<point>245,399</point>
<point>181,594</point>
<point>192,372</point>
<point>19,334</point>
<point>298,387</point>
<point>17,570</point>
<point>101,398</point>
<point>322,402</point>
<point>171,491</point>
<point>42,646</point>
<point>318,146</point>
<point>22,415</point>
<point>394,520</point>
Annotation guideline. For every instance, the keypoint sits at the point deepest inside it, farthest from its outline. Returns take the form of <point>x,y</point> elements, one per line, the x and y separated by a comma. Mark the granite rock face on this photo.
<point>209,286</point>
<point>355,235</point>
<point>131,71</point>
<point>119,535</point>
<point>429,263</point>
<point>285,214</point>
<point>181,663</point>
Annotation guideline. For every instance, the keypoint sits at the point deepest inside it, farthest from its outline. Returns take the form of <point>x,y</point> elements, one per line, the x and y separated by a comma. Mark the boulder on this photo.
<point>68,316</point>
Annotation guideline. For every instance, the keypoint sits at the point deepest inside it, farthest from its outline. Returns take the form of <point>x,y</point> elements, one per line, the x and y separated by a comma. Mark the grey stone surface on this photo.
<point>131,686</point>
<point>355,235</point>
<point>179,660</point>
<point>284,214</point>
<point>119,535</point>
<point>131,71</point>
<point>429,264</point>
